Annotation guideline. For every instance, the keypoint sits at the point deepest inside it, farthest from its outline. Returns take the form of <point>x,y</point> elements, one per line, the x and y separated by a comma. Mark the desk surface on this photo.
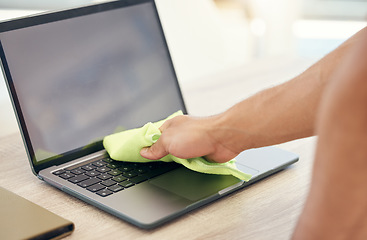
<point>266,210</point>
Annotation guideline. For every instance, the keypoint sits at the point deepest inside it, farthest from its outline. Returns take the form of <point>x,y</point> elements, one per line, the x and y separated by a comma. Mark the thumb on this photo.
<point>154,152</point>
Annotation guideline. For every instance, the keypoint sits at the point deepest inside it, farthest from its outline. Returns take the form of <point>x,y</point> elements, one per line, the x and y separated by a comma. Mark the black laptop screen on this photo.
<point>79,79</point>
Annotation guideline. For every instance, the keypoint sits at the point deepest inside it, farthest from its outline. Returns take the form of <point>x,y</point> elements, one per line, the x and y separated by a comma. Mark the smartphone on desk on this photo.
<point>23,219</point>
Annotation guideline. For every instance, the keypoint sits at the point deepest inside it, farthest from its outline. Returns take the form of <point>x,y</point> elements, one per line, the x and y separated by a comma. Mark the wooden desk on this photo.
<point>266,210</point>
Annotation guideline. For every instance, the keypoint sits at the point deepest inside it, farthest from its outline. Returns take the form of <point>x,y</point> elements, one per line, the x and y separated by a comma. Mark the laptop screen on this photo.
<point>78,79</point>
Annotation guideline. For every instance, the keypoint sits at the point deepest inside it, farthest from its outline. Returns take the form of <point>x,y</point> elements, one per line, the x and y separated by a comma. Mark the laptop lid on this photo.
<point>76,76</point>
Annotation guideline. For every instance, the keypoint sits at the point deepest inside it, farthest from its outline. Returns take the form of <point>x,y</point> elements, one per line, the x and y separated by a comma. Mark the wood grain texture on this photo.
<point>266,210</point>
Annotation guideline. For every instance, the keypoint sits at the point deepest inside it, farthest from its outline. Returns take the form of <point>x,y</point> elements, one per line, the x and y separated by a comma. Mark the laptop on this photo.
<point>80,74</point>
<point>22,219</point>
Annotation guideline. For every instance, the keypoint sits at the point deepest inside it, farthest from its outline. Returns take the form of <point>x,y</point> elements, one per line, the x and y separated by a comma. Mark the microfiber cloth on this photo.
<point>126,146</point>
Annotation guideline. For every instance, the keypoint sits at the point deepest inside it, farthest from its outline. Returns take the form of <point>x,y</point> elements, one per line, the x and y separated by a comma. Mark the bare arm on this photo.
<point>282,113</point>
<point>336,207</point>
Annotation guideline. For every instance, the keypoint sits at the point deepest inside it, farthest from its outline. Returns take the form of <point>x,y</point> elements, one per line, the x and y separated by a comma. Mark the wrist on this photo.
<point>232,130</point>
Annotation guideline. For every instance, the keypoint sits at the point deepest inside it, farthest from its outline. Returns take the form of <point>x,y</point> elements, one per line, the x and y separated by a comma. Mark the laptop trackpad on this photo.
<point>193,185</point>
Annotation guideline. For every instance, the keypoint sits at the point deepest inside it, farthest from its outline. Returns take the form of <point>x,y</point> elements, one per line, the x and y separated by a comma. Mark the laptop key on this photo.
<point>115,172</point>
<point>99,163</point>
<point>108,183</point>
<point>104,192</point>
<point>107,160</point>
<point>111,166</point>
<point>125,168</point>
<point>126,184</point>
<point>77,171</point>
<point>155,172</point>
<point>78,178</point>
<point>104,176</point>
<point>81,164</point>
<point>89,182</point>
<point>96,187</point>
<point>66,175</point>
<point>141,170</point>
<point>88,167</point>
<point>119,178</point>
<point>92,173</point>
<point>162,169</point>
<point>130,174</point>
<point>103,169</point>
<point>139,179</point>
<point>59,172</point>
<point>116,188</point>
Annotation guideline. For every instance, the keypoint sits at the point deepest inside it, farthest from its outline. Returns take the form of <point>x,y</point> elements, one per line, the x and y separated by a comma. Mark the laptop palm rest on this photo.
<point>193,185</point>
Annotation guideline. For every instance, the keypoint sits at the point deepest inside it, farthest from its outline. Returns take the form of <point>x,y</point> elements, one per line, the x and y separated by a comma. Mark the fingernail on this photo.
<point>143,151</point>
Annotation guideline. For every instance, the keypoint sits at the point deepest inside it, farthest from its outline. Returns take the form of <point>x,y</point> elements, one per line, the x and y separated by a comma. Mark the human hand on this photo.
<point>189,137</point>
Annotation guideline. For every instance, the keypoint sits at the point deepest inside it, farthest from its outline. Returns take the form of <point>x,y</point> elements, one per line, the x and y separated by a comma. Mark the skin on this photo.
<point>330,100</point>
<point>336,207</point>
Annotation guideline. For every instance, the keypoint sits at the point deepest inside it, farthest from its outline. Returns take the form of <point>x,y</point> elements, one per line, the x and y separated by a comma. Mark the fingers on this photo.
<point>186,137</point>
<point>220,156</point>
<point>158,149</point>
<point>155,152</point>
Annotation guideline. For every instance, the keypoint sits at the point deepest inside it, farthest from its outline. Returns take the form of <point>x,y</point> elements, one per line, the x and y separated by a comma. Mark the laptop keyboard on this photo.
<point>106,176</point>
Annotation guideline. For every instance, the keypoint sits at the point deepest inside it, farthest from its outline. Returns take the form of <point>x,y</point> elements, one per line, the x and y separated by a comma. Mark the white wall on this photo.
<point>199,38</point>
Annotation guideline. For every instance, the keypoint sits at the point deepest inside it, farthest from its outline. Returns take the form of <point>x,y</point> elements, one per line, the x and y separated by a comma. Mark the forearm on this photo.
<point>273,116</point>
<point>337,204</point>
<point>282,113</point>
<point>278,114</point>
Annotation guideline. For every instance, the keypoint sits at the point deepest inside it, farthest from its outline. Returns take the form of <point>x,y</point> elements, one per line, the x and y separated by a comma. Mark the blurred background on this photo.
<point>208,37</point>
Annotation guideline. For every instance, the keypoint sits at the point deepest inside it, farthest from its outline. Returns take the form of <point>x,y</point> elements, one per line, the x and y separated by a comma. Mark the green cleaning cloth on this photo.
<point>126,146</point>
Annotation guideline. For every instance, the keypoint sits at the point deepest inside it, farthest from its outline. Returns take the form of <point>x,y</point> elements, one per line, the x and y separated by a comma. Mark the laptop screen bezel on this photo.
<point>49,17</point>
